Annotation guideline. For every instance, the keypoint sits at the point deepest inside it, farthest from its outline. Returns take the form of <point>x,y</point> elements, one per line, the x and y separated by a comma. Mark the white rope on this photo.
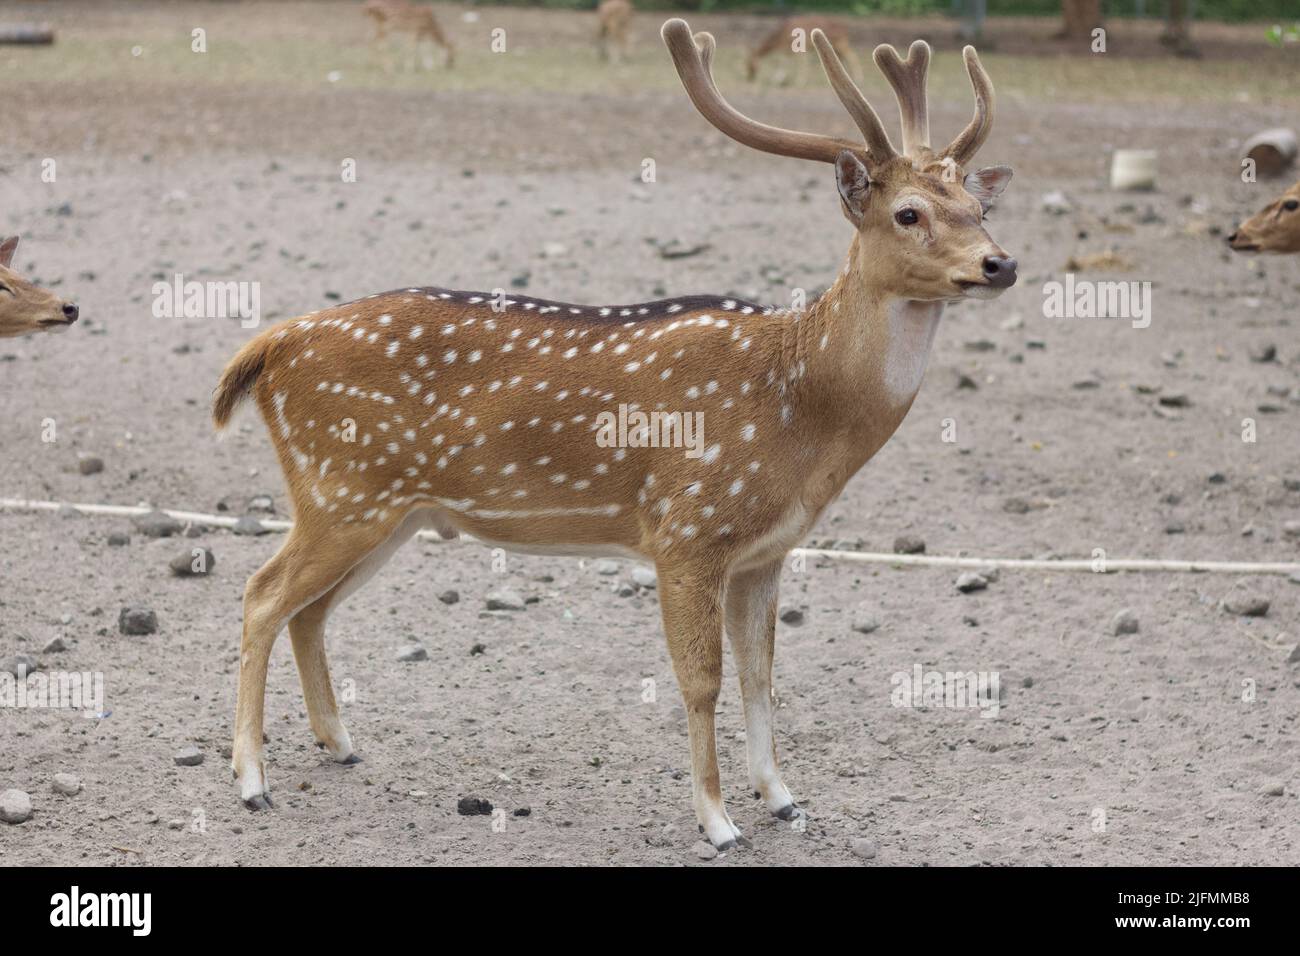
<point>1093,565</point>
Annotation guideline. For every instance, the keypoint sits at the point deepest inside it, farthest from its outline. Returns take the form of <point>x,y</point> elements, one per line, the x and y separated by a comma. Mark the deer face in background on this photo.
<point>922,226</point>
<point>1275,228</point>
<point>26,308</point>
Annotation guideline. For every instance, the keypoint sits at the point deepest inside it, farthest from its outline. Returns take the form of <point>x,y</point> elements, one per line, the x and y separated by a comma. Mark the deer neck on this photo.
<point>864,351</point>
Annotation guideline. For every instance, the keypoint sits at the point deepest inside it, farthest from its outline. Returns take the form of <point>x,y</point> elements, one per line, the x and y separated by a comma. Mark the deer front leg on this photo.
<point>691,600</point>
<point>751,625</point>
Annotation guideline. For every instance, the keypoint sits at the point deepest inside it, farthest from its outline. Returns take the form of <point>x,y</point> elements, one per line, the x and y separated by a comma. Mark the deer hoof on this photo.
<point>351,760</point>
<point>791,812</point>
<point>261,801</point>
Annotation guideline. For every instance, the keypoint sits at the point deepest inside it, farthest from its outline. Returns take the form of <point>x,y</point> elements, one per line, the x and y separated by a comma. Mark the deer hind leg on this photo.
<point>691,601</point>
<point>309,564</point>
<point>307,631</point>
<point>751,625</point>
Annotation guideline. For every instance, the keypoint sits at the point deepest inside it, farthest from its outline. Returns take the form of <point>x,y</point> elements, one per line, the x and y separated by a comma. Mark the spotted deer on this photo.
<point>613,36</point>
<point>403,16</point>
<point>783,36</point>
<point>1275,228</point>
<point>26,308</point>
<point>488,414</point>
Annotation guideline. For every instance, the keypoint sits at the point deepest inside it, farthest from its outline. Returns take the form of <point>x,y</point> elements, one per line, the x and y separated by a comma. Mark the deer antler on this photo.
<point>693,57</point>
<point>907,77</point>
<point>968,142</point>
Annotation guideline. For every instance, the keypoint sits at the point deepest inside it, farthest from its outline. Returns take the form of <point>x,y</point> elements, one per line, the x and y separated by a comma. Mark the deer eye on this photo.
<point>906,217</point>
<point>1291,205</point>
<point>5,288</point>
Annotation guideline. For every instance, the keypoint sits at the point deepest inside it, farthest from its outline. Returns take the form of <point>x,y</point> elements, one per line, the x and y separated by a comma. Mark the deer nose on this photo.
<point>70,311</point>
<point>1000,271</point>
<point>1232,238</point>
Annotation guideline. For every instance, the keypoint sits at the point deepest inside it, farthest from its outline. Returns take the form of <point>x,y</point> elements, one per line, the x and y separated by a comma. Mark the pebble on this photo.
<point>263,504</point>
<point>644,577</point>
<point>1274,788</point>
<point>606,566</point>
<point>56,645</point>
<point>156,524</point>
<point>626,589</point>
<point>66,784</point>
<point>908,544</point>
<point>248,525</point>
<point>1056,203</point>
<point>137,619</point>
<point>118,539</point>
<point>1291,529</point>
<point>450,596</point>
<point>184,564</point>
<point>969,581</point>
<point>705,850</point>
<point>1125,622</point>
<point>504,600</point>
<point>473,806</point>
<point>190,756</point>
<point>791,615</point>
<point>1263,353</point>
<point>1247,605</point>
<point>90,465</point>
<point>864,620</point>
<point>866,849</point>
<point>412,653</point>
<point>15,806</point>
<point>24,662</point>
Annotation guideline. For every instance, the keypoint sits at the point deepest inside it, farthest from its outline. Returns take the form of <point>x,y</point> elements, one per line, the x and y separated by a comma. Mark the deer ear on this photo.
<point>7,249</point>
<point>853,182</point>
<point>987,184</point>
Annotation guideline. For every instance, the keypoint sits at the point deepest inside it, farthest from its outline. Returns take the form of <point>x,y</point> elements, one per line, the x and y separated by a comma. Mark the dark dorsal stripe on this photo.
<point>639,312</point>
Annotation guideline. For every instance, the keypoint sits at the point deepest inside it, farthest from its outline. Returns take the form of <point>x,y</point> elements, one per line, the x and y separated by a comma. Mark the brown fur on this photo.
<point>1275,228</point>
<point>473,413</point>
<point>24,307</point>
<point>404,16</point>
<point>614,34</point>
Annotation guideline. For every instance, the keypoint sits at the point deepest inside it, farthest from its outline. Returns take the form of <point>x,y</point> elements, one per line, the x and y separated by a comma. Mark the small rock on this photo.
<point>118,539</point>
<point>1273,788</point>
<point>412,653</point>
<point>791,615</point>
<point>90,465</point>
<point>261,504</point>
<point>195,563</point>
<point>1247,605</point>
<point>1055,203</point>
<point>1263,353</point>
<point>190,756</point>
<point>606,567</point>
<point>1291,529</point>
<point>705,850</point>
<point>15,806</point>
<point>969,581</point>
<point>450,596</point>
<point>56,645</point>
<point>473,807</point>
<point>908,544</point>
<point>865,849</point>
<point>644,577</point>
<point>1016,506</point>
<point>504,600</point>
<point>477,649</point>
<point>156,524</point>
<point>1125,622</point>
<point>66,784</point>
<point>137,620</point>
<point>625,589</point>
<point>1174,401</point>
<point>21,662</point>
<point>524,812</point>
<point>864,620</point>
<point>248,525</point>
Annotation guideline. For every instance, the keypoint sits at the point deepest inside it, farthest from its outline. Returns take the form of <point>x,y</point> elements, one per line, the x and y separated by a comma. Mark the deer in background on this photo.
<point>483,414</point>
<point>26,308</point>
<point>1275,228</point>
<point>401,15</point>
<point>782,38</point>
<point>613,35</point>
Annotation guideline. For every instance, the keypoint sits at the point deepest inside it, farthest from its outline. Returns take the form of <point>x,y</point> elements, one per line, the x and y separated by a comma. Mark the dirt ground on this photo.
<point>522,170</point>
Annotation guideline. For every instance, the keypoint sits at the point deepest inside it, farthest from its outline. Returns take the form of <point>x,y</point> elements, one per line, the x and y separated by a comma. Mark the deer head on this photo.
<point>918,213</point>
<point>1275,228</point>
<point>24,307</point>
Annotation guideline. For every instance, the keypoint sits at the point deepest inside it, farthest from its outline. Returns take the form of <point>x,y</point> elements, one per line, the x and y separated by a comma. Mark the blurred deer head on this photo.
<point>26,308</point>
<point>1275,228</point>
